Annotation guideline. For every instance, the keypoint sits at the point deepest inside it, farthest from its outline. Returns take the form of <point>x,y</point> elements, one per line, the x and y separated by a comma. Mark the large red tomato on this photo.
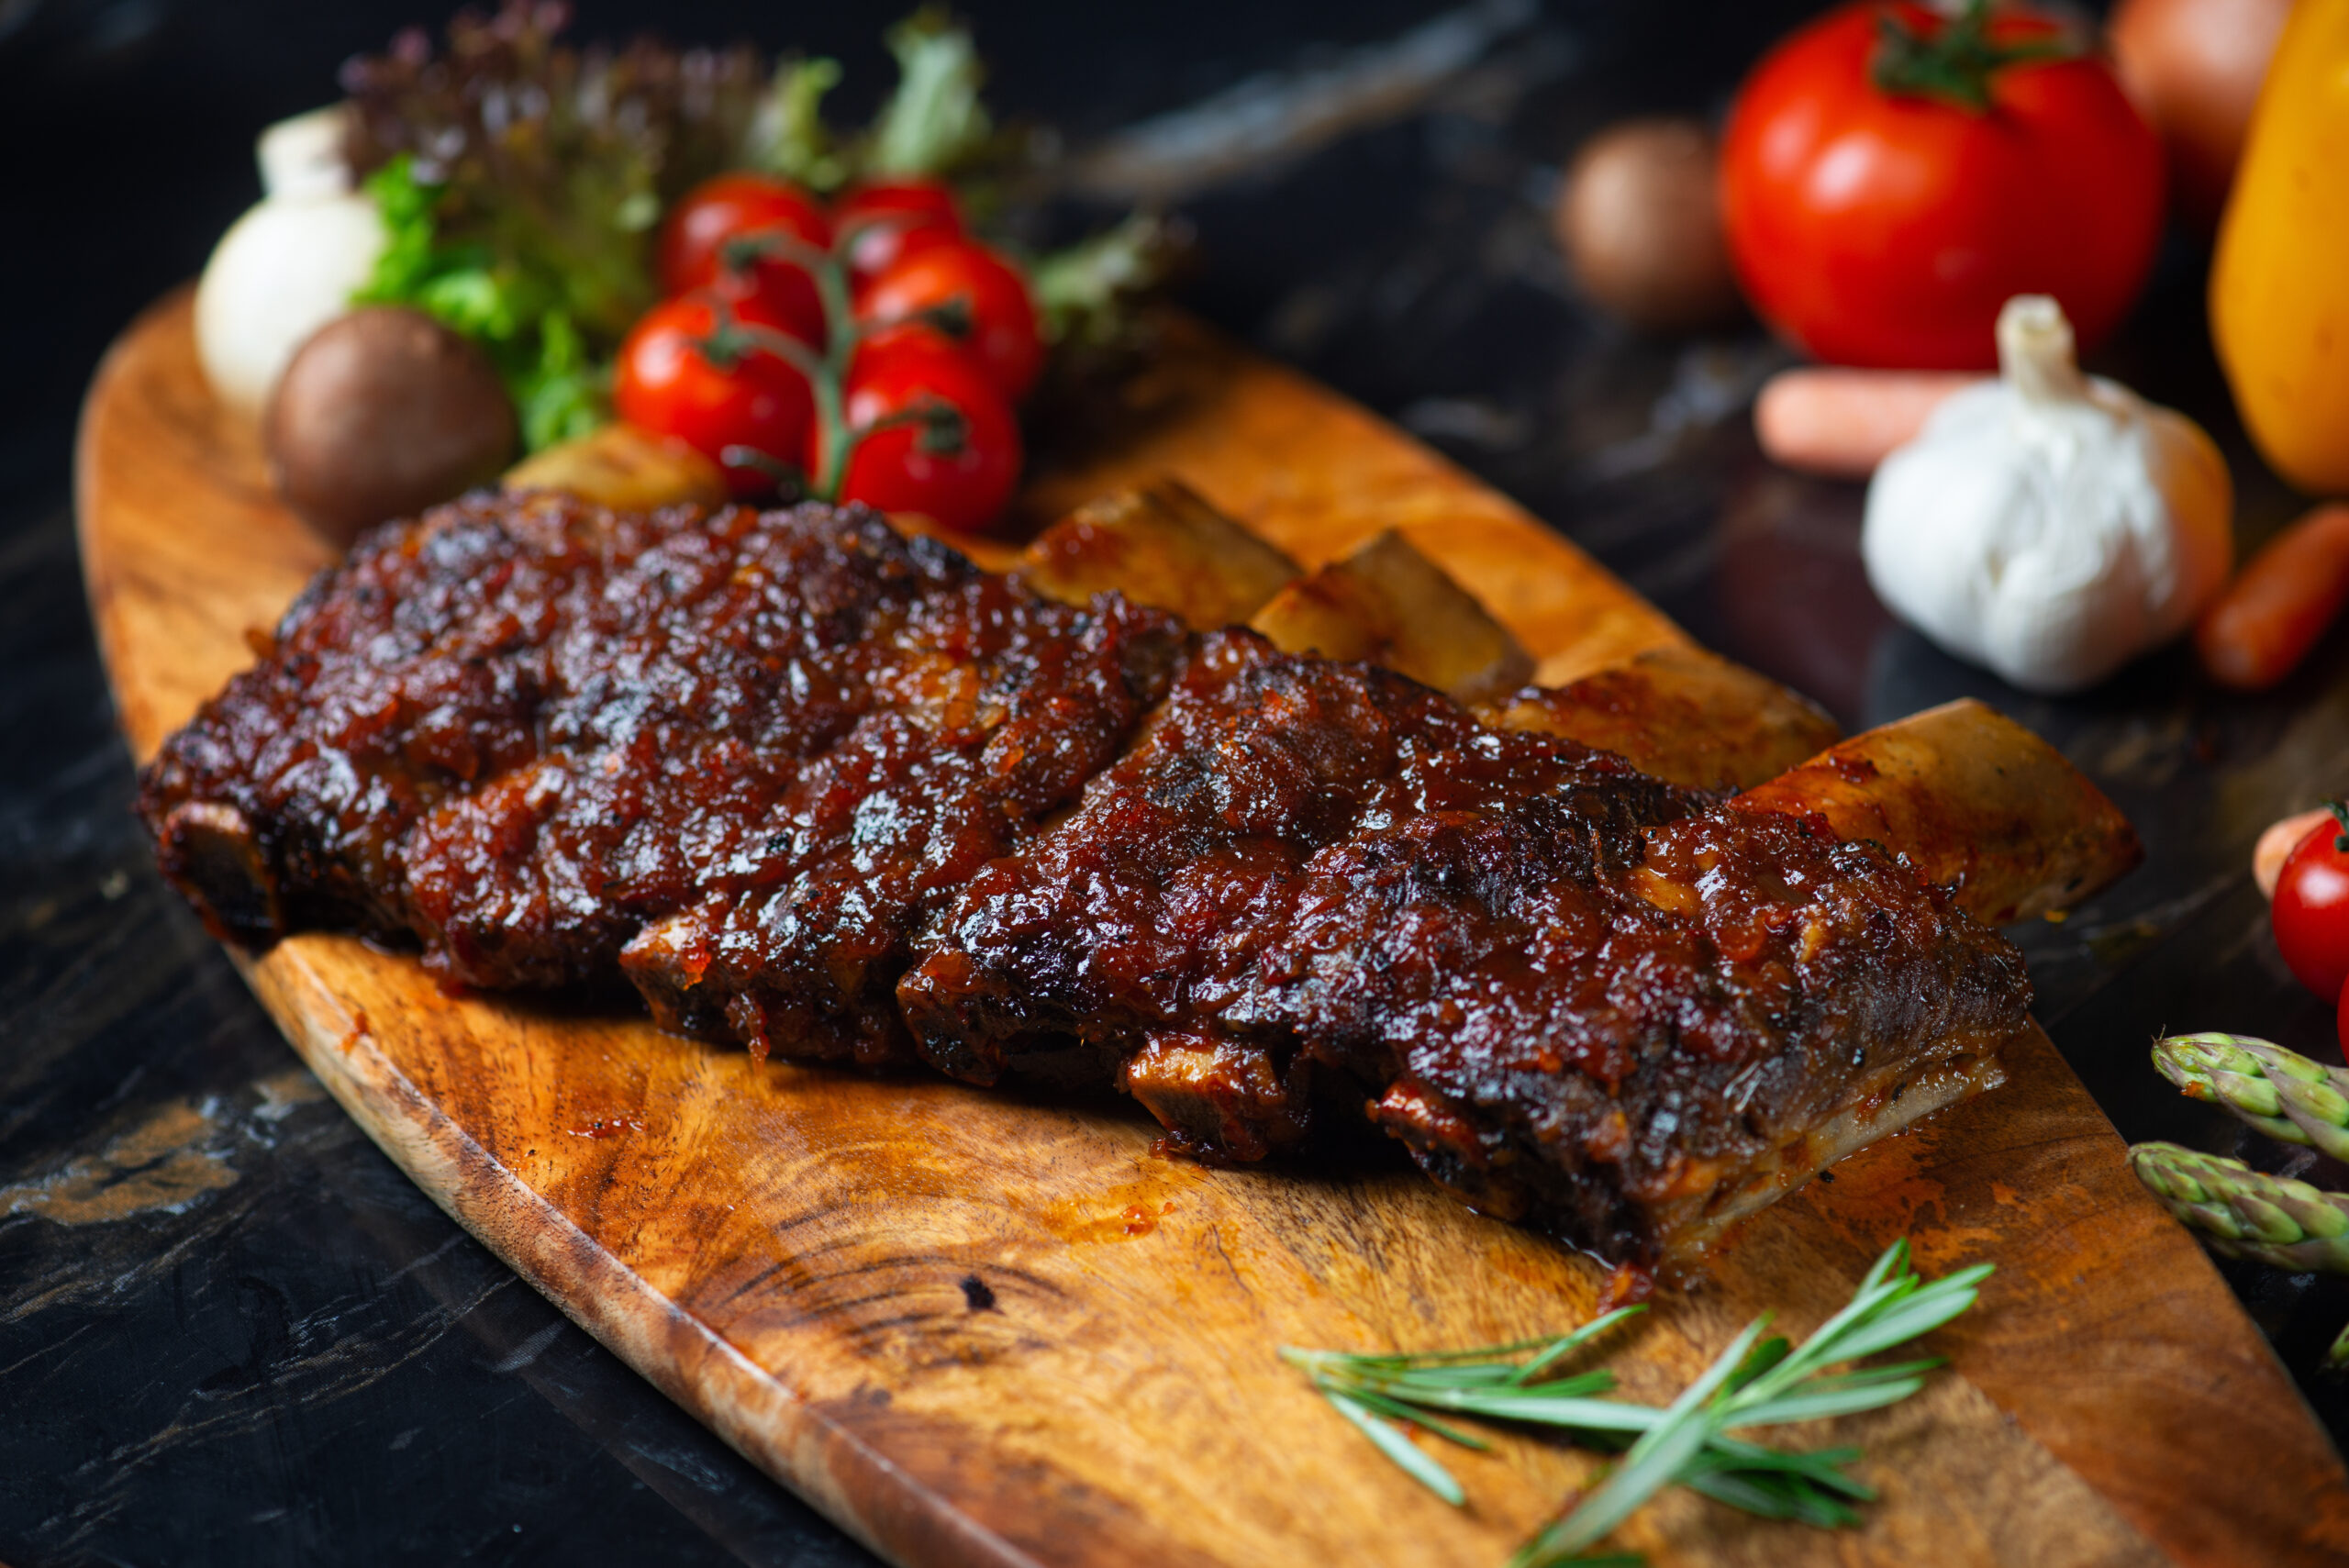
<point>1883,198</point>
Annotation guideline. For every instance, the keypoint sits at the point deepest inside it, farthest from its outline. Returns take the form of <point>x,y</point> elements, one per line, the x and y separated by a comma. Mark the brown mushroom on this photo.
<point>380,414</point>
<point>1641,227</point>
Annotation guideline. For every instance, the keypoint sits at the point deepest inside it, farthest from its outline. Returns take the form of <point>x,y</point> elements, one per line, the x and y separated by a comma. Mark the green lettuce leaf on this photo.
<point>518,316</point>
<point>934,122</point>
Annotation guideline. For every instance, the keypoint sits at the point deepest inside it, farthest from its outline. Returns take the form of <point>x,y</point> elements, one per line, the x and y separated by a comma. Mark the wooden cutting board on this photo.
<point>977,1328</point>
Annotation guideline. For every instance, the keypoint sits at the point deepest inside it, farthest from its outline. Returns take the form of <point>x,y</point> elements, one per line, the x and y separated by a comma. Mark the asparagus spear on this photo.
<point>2281,1093</point>
<point>2243,1213</point>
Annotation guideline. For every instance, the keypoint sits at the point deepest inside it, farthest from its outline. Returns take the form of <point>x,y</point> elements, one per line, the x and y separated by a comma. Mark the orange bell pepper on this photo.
<point>2279,284</point>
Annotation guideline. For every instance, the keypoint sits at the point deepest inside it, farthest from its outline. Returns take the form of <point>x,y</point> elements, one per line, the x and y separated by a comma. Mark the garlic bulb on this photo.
<point>2049,525</point>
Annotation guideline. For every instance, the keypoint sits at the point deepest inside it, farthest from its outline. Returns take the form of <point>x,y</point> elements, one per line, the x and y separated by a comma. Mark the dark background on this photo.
<point>230,1331</point>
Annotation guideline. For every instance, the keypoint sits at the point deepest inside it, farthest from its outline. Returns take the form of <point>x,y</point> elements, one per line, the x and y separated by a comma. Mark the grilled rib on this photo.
<point>752,750</point>
<point>1580,995</point>
<point>766,765</point>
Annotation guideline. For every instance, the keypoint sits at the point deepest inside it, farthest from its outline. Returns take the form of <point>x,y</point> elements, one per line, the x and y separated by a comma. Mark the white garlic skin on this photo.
<point>2050,530</point>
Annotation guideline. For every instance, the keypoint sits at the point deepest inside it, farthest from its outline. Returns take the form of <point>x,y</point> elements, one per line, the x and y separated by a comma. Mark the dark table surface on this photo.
<point>231,1330</point>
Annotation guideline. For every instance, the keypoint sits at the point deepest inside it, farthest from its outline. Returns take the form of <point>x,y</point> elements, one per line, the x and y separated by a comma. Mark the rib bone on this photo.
<point>1681,714</point>
<point>1162,546</point>
<point>1387,603</point>
<point>1977,804</point>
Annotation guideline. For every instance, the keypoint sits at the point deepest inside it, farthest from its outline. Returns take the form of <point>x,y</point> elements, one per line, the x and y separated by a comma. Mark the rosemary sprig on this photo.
<point>1756,1381</point>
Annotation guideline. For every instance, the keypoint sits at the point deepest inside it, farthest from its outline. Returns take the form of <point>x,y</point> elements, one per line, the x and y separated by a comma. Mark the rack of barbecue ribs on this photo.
<point>1624,960</point>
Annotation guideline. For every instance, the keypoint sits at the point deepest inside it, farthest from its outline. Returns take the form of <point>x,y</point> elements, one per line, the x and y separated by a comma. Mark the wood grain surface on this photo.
<point>977,1328</point>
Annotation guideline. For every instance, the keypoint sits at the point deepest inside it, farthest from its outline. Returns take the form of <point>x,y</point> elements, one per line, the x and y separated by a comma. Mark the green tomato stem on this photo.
<point>944,428</point>
<point>1955,64</point>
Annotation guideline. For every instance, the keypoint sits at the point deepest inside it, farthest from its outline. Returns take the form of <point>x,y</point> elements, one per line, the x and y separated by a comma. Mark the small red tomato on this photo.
<point>712,241</point>
<point>875,221</point>
<point>1891,175</point>
<point>930,432</point>
<point>973,295</point>
<point>2312,909</point>
<point>705,370</point>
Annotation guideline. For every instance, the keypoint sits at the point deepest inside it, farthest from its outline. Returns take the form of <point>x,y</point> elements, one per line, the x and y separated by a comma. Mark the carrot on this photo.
<point>2280,604</point>
<point>1842,423</point>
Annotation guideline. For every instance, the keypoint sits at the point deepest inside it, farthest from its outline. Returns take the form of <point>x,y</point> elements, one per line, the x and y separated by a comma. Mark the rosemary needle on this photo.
<point>1756,1381</point>
<point>1401,1449</point>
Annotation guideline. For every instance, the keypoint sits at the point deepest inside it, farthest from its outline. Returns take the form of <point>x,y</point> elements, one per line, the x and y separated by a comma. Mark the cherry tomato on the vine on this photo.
<point>712,241</point>
<point>962,279</point>
<point>703,369</point>
<point>930,432</point>
<point>2311,913</point>
<point>1891,176</point>
<point>878,222</point>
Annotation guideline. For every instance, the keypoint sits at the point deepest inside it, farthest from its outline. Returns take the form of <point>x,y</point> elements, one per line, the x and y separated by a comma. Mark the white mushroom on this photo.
<point>303,156</point>
<point>288,266</point>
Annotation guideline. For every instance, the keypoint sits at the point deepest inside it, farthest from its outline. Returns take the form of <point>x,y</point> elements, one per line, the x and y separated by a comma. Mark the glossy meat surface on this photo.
<point>1153,907</point>
<point>985,708</point>
<point>1580,995</point>
<point>1621,1055</point>
<point>523,731</point>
